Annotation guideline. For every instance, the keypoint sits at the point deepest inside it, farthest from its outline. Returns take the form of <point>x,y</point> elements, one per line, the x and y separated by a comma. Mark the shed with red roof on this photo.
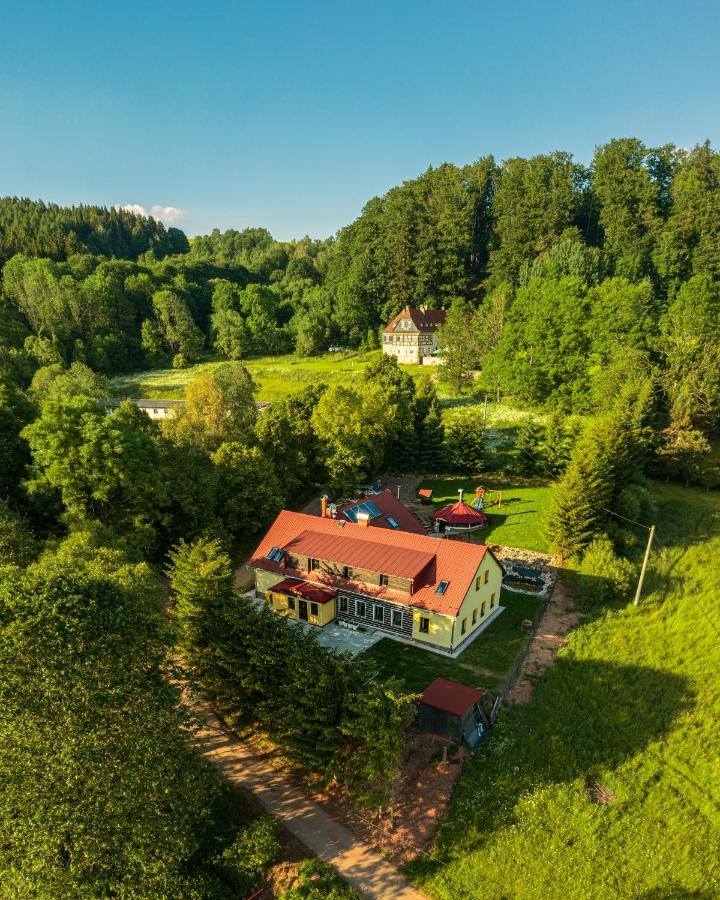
<point>451,709</point>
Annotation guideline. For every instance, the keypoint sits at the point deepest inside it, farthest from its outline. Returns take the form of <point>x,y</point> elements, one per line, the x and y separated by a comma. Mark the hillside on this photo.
<point>633,706</point>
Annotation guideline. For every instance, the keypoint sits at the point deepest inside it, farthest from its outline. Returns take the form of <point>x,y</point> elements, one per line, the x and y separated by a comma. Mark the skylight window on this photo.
<point>392,522</point>
<point>442,587</point>
<point>272,553</point>
<point>276,555</point>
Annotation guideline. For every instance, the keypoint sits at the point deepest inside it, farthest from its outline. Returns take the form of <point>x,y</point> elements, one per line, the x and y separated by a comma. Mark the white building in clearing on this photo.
<point>412,334</point>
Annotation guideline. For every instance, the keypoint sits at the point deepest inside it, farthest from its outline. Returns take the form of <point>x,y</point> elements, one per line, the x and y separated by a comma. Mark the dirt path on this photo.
<point>360,865</point>
<point>560,617</point>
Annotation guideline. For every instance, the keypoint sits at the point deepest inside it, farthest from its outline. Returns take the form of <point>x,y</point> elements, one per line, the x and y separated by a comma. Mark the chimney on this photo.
<point>323,506</point>
<point>363,519</point>
<point>461,492</point>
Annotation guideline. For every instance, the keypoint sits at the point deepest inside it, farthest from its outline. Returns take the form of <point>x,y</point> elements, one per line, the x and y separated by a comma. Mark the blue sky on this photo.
<point>292,115</point>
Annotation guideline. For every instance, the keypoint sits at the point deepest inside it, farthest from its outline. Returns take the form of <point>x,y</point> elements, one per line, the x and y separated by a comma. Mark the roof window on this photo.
<point>442,587</point>
<point>392,522</point>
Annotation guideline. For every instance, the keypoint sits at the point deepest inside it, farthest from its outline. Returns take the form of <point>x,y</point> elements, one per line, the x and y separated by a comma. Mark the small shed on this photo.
<point>453,710</point>
<point>425,495</point>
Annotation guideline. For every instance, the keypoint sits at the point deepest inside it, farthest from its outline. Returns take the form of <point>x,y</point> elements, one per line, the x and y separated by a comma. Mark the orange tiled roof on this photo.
<point>389,505</point>
<point>426,320</point>
<point>452,561</point>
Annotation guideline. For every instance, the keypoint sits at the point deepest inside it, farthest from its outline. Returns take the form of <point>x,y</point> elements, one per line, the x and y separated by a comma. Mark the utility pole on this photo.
<point>644,565</point>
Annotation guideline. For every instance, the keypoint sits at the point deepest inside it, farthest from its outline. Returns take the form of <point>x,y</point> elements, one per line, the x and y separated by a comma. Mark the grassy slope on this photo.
<point>518,522</point>
<point>634,703</point>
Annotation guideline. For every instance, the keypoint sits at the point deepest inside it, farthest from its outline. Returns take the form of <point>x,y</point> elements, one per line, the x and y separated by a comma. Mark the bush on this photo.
<point>605,577</point>
<point>318,881</point>
<point>252,852</point>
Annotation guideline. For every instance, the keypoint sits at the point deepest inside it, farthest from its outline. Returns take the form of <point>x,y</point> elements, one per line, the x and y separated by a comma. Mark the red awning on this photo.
<point>305,590</point>
<point>451,697</point>
<point>461,514</point>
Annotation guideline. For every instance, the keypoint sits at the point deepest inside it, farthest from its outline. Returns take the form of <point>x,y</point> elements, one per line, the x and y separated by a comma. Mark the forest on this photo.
<point>588,294</point>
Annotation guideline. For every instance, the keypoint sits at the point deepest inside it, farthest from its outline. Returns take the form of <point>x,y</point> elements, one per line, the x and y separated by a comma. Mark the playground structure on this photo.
<point>485,497</point>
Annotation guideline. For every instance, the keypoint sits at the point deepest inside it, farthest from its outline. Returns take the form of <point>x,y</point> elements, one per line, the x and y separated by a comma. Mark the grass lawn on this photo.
<point>485,663</point>
<point>518,522</point>
<point>276,376</point>
<point>633,704</point>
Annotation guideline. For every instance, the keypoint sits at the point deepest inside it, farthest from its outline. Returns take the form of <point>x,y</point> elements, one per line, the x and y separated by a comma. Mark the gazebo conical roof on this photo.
<point>461,514</point>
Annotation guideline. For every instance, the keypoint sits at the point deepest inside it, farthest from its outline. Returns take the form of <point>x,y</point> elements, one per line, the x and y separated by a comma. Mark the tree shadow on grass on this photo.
<point>586,716</point>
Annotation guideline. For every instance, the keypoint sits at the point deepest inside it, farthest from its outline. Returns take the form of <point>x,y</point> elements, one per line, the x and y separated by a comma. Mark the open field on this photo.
<point>276,376</point>
<point>485,663</point>
<point>633,706</point>
<point>518,522</point>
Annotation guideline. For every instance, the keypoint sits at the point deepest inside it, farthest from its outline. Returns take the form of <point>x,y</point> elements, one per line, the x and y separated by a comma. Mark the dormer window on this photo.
<point>384,580</point>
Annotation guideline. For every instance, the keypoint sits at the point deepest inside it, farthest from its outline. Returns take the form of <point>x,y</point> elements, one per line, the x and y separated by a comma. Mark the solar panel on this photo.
<point>442,587</point>
<point>369,507</point>
<point>392,522</point>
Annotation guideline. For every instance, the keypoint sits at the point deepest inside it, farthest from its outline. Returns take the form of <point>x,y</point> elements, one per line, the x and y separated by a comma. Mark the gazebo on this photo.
<point>459,517</point>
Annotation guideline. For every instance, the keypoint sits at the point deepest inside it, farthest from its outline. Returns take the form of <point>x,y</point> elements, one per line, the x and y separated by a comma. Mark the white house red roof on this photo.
<point>452,562</point>
<point>425,320</point>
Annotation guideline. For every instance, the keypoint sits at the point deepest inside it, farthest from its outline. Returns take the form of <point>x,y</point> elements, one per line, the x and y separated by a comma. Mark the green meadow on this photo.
<point>276,376</point>
<point>518,521</point>
<point>629,715</point>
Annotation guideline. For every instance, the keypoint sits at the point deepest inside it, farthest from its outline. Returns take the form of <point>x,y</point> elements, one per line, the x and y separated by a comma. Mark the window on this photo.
<point>482,610</point>
<point>492,600</point>
<point>487,575</point>
<point>313,609</point>
<point>291,602</point>
<point>360,608</point>
<point>384,580</point>
<point>397,618</point>
<point>272,552</point>
<point>442,587</point>
<point>463,627</point>
<point>378,613</point>
<point>474,616</point>
<point>347,572</point>
<point>392,523</point>
<point>477,583</point>
<point>424,625</point>
<point>343,604</point>
<point>313,564</point>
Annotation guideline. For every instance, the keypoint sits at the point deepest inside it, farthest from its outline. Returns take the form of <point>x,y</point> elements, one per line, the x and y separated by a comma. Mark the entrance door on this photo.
<point>302,609</point>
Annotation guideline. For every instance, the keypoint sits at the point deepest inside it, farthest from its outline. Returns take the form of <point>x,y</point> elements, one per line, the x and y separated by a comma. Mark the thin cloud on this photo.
<point>167,214</point>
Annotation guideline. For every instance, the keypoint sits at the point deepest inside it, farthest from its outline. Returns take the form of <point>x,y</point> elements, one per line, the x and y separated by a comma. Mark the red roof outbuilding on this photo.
<point>461,514</point>
<point>449,696</point>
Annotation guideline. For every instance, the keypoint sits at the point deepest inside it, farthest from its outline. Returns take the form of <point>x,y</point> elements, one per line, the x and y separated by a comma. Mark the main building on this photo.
<point>425,589</point>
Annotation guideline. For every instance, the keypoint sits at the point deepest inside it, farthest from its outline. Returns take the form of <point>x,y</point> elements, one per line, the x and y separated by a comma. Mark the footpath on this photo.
<point>361,866</point>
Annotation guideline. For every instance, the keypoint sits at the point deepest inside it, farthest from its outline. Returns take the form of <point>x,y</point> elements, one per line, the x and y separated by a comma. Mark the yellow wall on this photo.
<point>265,580</point>
<point>475,598</point>
<point>279,604</point>
<point>440,633</point>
